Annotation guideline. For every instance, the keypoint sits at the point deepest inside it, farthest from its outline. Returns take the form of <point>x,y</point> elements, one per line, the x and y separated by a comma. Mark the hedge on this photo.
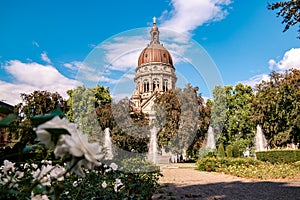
<point>215,164</point>
<point>279,156</point>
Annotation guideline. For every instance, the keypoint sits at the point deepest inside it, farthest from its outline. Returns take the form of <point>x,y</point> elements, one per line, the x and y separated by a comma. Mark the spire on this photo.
<point>154,20</point>
<point>154,33</point>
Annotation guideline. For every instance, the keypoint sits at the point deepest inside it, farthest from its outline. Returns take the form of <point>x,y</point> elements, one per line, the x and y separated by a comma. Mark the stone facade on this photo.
<point>155,73</point>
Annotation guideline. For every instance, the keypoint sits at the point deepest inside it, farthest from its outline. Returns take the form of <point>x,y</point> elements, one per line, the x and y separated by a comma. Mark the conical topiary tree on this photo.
<point>236,150</point>
<point>221,152</point>
<point>229,151</point>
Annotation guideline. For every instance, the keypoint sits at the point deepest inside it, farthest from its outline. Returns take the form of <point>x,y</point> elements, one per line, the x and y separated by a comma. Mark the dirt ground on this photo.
<point>184,182</point>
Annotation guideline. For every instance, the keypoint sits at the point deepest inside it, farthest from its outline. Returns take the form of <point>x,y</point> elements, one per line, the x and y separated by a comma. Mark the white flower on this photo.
<point>8,166</point>
<point>58,173</point>
<point>34,165</point>
<point>114,166</point>
<point>42,175</point>
<point>75,184</point>
<point>26,165</point>
<point>39,197</point>
<point>19,174</point>
<point>118,183</point>
<point>56,122</point>
<point>104,185</point>
<point>84,153</point>
<point>108,170</point>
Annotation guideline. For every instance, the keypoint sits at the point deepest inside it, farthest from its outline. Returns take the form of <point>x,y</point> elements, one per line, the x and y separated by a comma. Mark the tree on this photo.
<point>277,108</point>
<point>129,130</point>
<point>83,103</point>
<point>221,151</point>
<point>40,103</point>
<point>290,11</point>
<point>231,114</point>
<point>183,118</point>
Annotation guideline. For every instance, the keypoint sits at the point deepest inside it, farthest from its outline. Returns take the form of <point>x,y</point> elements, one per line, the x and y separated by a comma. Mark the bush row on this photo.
<point>279,156</point>
<point>213,164</point>
<point>250,168</point>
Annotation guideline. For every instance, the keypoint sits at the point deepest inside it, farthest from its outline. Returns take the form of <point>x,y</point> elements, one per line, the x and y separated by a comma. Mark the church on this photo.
<point>155,73</point>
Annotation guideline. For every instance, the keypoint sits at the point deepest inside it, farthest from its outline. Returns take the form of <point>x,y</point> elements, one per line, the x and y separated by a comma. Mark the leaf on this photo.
<point>40,119</point>
<point>7,120</point>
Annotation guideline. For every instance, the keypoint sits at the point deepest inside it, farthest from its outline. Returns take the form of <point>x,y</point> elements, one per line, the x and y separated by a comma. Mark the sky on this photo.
<point>58,45</point>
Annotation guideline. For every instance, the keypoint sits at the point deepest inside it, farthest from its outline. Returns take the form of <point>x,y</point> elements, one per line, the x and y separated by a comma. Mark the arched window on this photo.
<point>155,84</point>
<point>165,85</point>
<point>146,86</point>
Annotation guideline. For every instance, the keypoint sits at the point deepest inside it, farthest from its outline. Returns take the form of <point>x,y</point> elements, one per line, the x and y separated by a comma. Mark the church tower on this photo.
<point>155,73</point>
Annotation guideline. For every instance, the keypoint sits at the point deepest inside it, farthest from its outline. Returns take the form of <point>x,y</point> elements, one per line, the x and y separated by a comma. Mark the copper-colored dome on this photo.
<point>155,53</point>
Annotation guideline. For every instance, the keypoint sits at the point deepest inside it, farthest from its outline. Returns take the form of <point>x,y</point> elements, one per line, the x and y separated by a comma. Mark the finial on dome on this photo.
<point>154,20</point>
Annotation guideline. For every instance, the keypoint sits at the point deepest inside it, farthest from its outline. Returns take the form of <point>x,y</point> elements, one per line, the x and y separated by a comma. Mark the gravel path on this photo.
<point>187,183</point>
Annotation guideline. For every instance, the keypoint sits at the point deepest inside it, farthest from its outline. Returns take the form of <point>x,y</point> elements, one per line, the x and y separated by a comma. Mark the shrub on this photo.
<point>236,150</point>
<point>215,164</point>
<point>221,152</point>
<point>229,151</point>
<point>207,152</point>
<point>279,156</point>
<point>130,182</point>
<point>250,168</point>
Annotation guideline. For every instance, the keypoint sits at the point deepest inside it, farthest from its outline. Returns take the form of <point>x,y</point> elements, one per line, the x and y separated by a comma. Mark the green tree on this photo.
<point>229,151</point>
<point>183,117</point>
<point>129,130</point>
<point>236,150</point>
<point>277,108</point>
<point>231,114</point>
<point>289,10</point>
<point>40,103</point>
<point>219,109</point>
<point>221,151</point>
<point>83,103</point>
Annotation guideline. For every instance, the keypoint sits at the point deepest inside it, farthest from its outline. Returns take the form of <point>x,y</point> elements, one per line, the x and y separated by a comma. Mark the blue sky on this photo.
<point>50,45</point>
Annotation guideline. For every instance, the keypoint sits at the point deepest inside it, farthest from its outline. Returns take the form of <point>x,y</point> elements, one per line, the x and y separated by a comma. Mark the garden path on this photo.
<point>182,181</point>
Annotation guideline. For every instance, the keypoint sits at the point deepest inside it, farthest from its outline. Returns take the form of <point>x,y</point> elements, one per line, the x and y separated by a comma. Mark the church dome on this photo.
<point>155,52</point>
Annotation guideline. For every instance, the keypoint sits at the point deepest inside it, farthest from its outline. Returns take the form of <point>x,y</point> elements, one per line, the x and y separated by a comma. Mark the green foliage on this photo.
<point>279,156</point>
<point>290,12</point>
<point>231,113</point>
<point>236,150</point>
<point>205,152</point>
<point>276,107</point>
<point>136,184</point>
<point>221,151</point>
<point>219,107</point>
<point>214,164</point>
<point>229,151</point>
<point>39,103</point>
<point>130,131</point>
<point>183,118</point>
<point>249,168</point>
<point>83,103</point>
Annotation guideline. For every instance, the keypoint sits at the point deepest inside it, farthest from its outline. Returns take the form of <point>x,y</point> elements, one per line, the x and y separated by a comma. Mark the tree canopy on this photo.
<point>290,11</point>
<point>277,107</point>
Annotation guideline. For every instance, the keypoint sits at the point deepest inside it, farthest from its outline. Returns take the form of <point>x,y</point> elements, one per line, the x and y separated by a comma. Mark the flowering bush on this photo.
<point>77,172</point>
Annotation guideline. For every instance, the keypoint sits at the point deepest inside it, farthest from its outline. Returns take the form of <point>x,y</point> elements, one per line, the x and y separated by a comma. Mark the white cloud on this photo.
<point>28,77</point>
<point>187,15</point>
<point>121,53</point>
<point>45,57</point>
<point>272,64</point>
<point>256,80</point>
<point>291,59</point>
<point>34,43</point>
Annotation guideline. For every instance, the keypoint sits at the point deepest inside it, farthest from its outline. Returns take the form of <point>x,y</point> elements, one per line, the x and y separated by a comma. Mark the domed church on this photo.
<point>155,73</point>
